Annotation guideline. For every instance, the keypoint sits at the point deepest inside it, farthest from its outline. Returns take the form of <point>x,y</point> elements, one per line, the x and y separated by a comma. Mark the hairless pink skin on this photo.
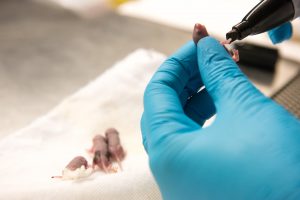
<point>77,162</point>
<point>115,149</point>
<point>74,164</point>
<point>201,32</point>
<point>235,55</point>
<point>100,151</point>
<point>233,52</point>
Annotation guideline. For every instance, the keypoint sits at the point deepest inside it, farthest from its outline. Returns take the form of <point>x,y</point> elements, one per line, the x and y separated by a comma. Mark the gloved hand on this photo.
<point>281,33</point>
<point>250,151</point>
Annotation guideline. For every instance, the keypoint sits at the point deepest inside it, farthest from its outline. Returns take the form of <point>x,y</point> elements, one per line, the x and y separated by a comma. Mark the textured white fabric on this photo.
<point>32,155</point>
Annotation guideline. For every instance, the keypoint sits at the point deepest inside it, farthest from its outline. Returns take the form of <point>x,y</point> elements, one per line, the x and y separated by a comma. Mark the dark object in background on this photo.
<point>256,56</point>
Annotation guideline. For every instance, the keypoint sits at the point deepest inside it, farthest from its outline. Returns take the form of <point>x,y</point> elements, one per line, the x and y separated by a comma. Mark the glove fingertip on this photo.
<point>281,33</point>
<point>210,46</point>
<point>207,42</point>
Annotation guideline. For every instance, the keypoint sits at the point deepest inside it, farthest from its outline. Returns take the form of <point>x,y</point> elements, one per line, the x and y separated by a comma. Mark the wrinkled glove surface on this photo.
<point>250,151</point>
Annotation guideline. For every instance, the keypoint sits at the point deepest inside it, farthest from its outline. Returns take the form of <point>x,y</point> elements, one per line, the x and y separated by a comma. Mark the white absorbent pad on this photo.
<point>32,155</point>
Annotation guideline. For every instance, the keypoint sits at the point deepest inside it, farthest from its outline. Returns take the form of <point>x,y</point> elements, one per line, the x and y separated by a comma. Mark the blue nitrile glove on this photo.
<point>281,33</point>
<point>252,149</point>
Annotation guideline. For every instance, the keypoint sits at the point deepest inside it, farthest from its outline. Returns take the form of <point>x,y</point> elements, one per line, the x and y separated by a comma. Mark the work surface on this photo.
<point>32,155</point>
<point>48,53</point>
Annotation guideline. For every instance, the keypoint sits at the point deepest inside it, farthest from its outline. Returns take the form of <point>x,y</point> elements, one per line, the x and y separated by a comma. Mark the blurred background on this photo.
<point>51,48</point>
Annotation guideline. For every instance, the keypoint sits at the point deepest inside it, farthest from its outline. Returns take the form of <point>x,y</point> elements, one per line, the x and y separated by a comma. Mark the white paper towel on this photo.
<point>32,155</point>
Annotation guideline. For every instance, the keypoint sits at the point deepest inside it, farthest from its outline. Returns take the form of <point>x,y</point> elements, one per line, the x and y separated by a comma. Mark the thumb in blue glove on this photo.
<point>281,33</point>
<point>251,151</point>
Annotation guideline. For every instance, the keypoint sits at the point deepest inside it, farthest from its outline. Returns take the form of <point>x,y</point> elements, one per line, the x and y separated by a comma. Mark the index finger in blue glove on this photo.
<point>224,81</point>
<point>163,111</point>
